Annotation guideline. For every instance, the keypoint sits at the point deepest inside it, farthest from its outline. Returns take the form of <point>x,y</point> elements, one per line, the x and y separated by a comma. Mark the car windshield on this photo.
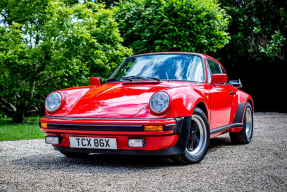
<point>164,67</point>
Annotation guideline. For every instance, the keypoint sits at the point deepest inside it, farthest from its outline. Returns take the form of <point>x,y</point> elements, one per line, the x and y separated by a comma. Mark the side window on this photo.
<point>223,71</point>
<point>213,68</point>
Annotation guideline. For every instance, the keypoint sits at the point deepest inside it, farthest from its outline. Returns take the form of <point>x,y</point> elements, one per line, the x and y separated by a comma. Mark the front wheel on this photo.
<point>245,135</point>
<point>198,139</point>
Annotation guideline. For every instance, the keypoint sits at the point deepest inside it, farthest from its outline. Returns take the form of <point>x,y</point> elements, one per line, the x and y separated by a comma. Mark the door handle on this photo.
<point>231,92</point>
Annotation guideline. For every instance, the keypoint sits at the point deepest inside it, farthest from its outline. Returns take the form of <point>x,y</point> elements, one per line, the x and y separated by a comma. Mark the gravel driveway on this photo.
<point>31,165</point>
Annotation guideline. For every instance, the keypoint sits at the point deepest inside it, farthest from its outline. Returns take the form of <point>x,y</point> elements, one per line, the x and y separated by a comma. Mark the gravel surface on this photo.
<point>31,165</point>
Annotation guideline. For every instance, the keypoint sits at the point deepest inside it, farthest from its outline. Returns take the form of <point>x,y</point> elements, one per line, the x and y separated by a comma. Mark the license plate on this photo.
<point>93,143</point>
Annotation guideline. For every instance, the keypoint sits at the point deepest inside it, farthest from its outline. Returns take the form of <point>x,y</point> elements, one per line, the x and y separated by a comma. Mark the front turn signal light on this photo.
<point>44,125</point>
<point>153,128</point>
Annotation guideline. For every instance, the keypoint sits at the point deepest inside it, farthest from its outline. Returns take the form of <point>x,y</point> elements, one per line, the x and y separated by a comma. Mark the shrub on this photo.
<point>172,25</point>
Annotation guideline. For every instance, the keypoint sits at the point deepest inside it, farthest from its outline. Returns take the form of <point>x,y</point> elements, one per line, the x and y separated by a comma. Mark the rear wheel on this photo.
<point>198,139</point>
<point>245,135</point>
<point>74,155</point>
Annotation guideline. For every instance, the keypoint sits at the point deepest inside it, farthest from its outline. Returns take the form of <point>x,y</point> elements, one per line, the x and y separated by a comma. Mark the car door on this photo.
<point>221,96</point>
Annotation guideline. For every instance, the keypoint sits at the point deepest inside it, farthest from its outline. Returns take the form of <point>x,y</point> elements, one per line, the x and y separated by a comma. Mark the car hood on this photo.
<point>116,100</point>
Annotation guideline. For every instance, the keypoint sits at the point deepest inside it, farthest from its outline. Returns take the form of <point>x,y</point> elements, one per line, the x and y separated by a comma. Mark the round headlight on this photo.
<point>53,101</point>
<point>159,102</point>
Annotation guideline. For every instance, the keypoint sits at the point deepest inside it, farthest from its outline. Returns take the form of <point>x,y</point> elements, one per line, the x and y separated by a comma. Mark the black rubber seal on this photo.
<point>95,127</point>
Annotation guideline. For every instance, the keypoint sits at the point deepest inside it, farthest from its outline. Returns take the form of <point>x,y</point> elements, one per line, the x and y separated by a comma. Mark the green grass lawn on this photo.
<point>10,131</point>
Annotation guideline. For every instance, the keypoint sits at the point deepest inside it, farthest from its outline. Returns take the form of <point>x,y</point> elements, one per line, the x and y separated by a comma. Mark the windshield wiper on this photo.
<point>140,77</point>
<point>120,79</point>
<point>114,79</point>
<point>154,78</point>
<point>129,78</point>
<point>123,78</point>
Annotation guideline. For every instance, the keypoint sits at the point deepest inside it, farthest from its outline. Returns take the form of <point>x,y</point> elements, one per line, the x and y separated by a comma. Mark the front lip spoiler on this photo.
<point>183,127</point>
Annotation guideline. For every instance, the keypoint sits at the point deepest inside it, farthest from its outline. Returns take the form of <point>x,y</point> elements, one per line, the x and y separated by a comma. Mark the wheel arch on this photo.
<point>243,135</point>
<point>239,103</point>
<point>201,105</point>
<point>251,103</point>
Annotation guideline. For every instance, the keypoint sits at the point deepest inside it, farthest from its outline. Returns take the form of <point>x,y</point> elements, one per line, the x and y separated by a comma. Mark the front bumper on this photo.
<point>172,140</point>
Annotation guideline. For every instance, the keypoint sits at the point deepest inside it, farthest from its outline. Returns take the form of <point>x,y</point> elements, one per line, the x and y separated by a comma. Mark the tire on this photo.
<point>245,135</point>
<point>74,155</point>
<point>198,139</point>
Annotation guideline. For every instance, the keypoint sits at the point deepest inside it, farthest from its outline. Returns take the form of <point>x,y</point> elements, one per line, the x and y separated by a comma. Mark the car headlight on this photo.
<point>53,102</point>
<point>159,102</point>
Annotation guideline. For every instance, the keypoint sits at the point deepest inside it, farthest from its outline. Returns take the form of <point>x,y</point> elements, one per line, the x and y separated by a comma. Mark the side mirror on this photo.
<point>236,83</point>
<point>97,81</point>
<point>218,78</point>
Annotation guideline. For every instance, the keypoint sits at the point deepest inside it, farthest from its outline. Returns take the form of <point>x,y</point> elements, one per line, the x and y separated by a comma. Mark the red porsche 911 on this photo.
<point>169,103</point>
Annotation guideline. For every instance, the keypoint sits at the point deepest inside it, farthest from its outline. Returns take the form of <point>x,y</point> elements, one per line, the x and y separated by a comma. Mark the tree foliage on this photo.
<point>172,25</point>
<point>258,30</point>
<point>54,46</point>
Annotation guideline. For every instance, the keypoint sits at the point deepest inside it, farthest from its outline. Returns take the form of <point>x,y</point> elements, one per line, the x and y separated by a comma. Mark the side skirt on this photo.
<point>220,129</point>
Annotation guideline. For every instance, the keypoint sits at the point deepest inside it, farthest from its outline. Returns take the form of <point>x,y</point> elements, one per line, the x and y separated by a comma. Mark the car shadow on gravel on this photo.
<point>219,142</point>
<point>55,160</point>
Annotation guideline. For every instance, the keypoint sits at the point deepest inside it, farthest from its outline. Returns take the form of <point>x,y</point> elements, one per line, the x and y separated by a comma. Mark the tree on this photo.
<point>258,30</point>
<point>54,46</point>
<point>109,3</point>
<point>172,25</point>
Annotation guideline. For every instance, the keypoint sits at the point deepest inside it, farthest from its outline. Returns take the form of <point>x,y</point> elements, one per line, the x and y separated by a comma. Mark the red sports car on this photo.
<point>168,103</point>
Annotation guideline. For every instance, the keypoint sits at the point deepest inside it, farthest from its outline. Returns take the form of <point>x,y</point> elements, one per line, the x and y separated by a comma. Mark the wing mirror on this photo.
<point>218,79</point>
<point>236,83</point>
<point>97,81</point>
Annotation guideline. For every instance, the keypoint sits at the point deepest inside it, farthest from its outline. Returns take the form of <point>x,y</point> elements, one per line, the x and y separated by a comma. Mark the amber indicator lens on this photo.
<point>44,125</point>
<point>153,128</point>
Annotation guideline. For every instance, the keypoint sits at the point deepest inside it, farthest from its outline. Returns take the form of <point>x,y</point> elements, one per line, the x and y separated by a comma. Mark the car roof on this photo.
<point>175,52</point>
<point>170,52</point>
